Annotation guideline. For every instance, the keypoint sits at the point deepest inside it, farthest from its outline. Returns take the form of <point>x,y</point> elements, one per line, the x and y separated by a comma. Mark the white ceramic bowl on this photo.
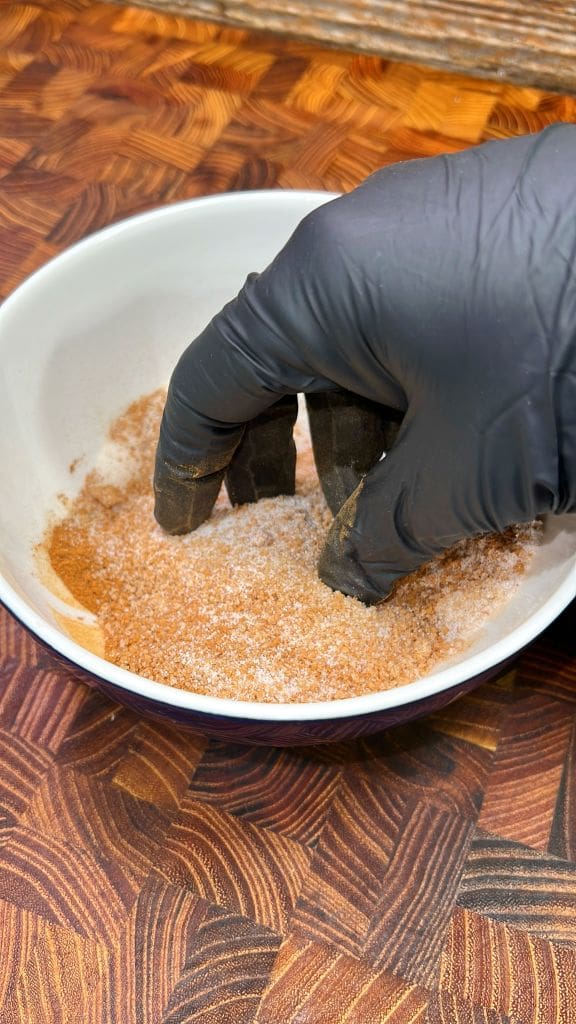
<point>104,323</point>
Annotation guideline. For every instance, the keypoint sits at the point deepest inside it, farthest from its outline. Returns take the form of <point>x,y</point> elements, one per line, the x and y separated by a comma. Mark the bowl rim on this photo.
<point>450,677</point>
<point>166,211</point>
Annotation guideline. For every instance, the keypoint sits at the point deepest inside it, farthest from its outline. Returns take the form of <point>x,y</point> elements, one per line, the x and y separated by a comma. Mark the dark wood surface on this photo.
<point>427,876</point>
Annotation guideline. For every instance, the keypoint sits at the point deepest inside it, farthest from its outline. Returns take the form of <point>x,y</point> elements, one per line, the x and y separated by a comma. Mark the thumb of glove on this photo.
<point>419,500</point>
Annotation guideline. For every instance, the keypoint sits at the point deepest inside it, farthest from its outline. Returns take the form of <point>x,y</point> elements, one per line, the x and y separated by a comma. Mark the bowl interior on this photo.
<point>105,323</point>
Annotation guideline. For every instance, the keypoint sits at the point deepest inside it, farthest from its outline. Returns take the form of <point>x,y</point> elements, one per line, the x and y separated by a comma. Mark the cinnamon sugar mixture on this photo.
<point>236,609</point>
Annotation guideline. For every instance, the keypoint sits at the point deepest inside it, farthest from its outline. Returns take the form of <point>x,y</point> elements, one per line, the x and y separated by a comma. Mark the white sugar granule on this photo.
<point>236,608</point>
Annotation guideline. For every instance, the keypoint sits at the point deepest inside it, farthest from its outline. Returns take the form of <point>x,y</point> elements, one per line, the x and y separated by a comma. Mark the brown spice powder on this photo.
<point>236,609</point>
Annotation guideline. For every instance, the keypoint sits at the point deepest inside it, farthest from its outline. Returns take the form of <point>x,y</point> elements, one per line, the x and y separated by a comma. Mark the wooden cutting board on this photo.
<point>426,876</point>
<point>526,41</point>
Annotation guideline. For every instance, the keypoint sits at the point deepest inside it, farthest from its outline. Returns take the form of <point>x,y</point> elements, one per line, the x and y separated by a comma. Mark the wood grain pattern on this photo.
<point>256,872</point>
<point>311,982</point>
<point>543,886</point>
<point>227,971</point>
<point>63,884</point>
<point>59,980</point>
<point>494,966</point>
<point>275,790</point>
<point>158,765</point>
<point>407,928</point>
<point>444,1008</point>
<point>563,831</point>
<point>426,876</point>
<point>147,962</point>
<point>420,760</point>
<point>520,798</point>
<point>104,821</point>
<point>345,879</point>
<point>521,41</point>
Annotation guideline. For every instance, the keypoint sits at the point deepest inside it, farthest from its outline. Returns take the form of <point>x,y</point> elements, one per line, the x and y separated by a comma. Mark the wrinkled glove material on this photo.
<point>445,289</point>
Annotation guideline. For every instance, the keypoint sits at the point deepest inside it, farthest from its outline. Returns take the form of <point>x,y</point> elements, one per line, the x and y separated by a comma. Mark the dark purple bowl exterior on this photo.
<point>271,734</point>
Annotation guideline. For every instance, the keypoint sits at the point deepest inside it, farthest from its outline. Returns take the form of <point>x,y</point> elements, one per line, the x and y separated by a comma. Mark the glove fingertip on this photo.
<point>181,505</point>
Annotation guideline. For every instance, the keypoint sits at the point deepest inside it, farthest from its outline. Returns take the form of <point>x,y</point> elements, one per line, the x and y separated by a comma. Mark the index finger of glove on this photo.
<point>213,392</point>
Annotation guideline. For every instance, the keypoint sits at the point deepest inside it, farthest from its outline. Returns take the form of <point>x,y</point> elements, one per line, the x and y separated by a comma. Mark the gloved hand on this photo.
<point>444,289</point>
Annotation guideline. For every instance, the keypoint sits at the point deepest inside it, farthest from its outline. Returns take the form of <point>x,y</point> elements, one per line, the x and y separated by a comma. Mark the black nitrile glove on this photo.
<point>442,288</point>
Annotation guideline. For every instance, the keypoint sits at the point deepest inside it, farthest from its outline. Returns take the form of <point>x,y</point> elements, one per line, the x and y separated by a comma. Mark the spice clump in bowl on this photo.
<point>236,609</point>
